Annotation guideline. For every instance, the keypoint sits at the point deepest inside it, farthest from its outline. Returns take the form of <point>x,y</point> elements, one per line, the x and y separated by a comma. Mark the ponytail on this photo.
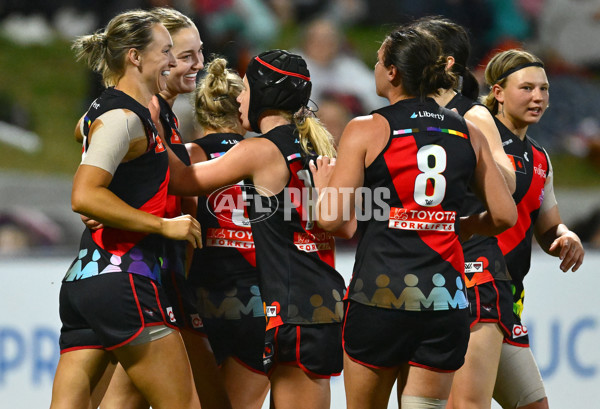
<point>106,50</point>
<point>470,85</point>
<point>314,137</point>
<point>92,49</point>
<point>215,97</point>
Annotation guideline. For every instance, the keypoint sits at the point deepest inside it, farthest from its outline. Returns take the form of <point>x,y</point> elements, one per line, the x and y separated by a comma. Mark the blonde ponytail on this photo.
<point>314,137</point>
<point>215,97</point>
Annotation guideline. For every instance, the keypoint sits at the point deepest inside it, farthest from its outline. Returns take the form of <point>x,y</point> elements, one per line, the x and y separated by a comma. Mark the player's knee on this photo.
<point>419,402</point>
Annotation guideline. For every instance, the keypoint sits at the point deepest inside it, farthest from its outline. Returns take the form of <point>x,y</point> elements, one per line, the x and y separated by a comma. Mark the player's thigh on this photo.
<point>161,371</point>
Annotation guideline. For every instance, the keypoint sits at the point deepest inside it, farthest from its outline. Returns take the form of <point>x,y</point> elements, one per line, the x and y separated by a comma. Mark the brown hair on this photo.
<point>418,57</point>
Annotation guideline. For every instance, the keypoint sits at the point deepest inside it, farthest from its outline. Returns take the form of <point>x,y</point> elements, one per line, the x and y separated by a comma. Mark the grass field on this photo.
<point>53,88</point>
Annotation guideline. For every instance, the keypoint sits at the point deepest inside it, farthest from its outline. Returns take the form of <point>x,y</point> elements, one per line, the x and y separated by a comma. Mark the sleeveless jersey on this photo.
<point>484,261</point>
<point>141,183</point>
<point>175,250</point>
<point>531,165</point>
<point>227,245</point>
<point>409,256</point>
<point>295,258</point>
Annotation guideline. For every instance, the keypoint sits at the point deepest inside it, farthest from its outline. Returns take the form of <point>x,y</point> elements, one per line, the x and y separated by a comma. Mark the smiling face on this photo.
<point>187,49</point>
<point>157,60</point>
<point>244,100</point>
<point>524,97</point>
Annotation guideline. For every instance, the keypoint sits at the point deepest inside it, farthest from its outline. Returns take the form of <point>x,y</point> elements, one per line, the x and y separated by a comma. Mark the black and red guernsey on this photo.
<point>227,244</point>
<point>141,183</point>
<point>531,165</point>
<point>409,256</point>
<point>295,258</point>
<point>483,258</point>
<point>175,250</point>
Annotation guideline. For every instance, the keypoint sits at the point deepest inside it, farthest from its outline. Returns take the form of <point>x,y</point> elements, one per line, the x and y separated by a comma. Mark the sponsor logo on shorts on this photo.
<point>271,310</point>
<point>171,314</point>
<point>519,331</point>
<point>473,267</point>
<point>196,321</point>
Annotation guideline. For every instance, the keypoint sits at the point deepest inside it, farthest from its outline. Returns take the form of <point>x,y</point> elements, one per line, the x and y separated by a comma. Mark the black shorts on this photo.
<point>518,335</point>
<point>234,320</point>
<point>183,299</point>
<point>110,310</point>
<point>242,340</point>
<point>316,348</point>
<point>383,338</point>
<point>491,302</point>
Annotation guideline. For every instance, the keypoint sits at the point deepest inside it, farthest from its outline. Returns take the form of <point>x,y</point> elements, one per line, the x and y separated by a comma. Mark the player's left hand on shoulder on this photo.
<point>571,251</point>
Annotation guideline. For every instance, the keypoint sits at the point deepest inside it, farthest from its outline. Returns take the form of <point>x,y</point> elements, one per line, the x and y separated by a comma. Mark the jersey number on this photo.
<point>430,184</point>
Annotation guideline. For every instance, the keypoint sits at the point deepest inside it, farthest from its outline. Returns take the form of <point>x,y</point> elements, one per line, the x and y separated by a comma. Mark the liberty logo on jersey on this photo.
<point>426,114</point>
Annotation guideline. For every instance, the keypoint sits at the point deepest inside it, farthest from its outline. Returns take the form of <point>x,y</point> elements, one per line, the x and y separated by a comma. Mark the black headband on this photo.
<point>517,68</point>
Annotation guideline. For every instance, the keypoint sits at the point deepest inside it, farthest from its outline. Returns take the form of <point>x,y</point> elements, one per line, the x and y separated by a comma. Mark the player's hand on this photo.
<point>183,228</point>
<point>91,223</point>
<point>569,249</point>
<point>154,108</point>
<point>322,171</point>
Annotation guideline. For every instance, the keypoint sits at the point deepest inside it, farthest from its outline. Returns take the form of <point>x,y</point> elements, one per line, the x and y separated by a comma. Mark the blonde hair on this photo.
<point>105,51</point>
<point>498,66</point>
<point>314,137</point>
<point>172,19</point>
<point>215,104</point>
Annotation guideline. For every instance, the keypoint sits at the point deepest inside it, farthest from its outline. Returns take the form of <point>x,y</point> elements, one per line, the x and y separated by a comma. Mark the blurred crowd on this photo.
<point>564,33</point>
